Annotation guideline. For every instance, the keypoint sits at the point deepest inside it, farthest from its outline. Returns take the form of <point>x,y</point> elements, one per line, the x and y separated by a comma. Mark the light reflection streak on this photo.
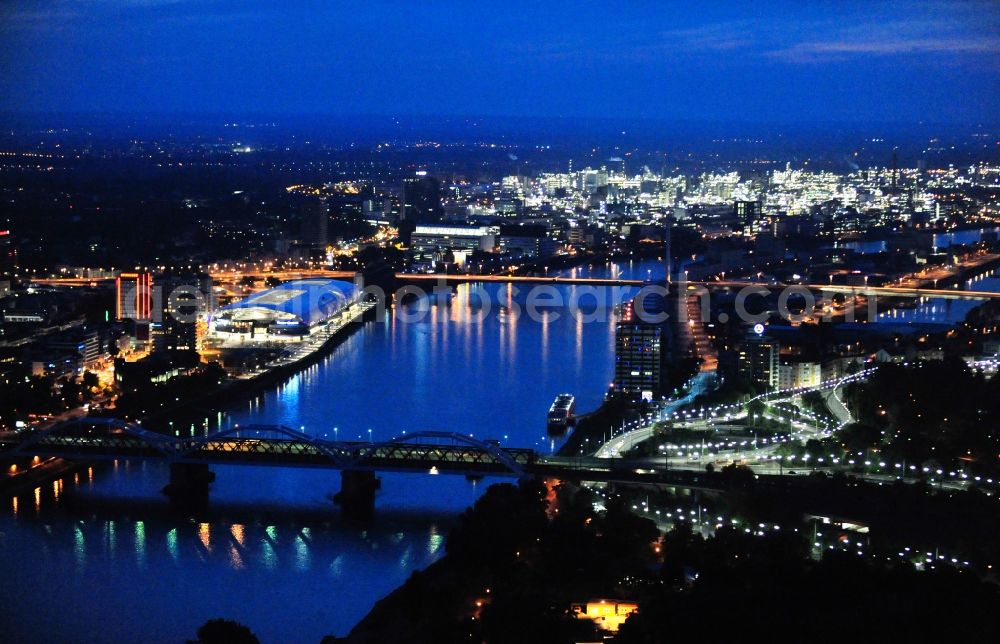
<point>205,536</point>
<point>435,540</point>
<point>79,547</point>
<point>270,553</point>
<point>236,549</point>
<point>140,544</point>
<point>302,551</point>
<point>172,544</point>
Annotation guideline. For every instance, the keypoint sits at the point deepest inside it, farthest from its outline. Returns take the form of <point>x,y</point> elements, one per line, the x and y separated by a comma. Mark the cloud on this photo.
<point>958,32</point>
<point>724,36</point>
<point>827,50</point>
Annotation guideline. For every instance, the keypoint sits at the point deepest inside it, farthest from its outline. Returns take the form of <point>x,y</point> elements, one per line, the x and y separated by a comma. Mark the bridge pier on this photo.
<point>357,493</point>
<point>189,480</point>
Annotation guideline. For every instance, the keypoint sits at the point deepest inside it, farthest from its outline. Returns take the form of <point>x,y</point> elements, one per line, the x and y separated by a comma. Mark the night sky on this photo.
<point>935,61</point>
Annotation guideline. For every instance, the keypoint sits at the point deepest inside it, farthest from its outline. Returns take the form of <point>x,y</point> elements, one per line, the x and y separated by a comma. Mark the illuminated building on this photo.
<point>181,300</point>
<point>426,241</point>
<point>6,251</point>
<point>134,293</point>
<point>748,213</point>
<point>285,312</point>
<point>758,362</point>
<point>638,355</point>
<point>799,373</point>
<point>83,341</point>
<point>608,614</point>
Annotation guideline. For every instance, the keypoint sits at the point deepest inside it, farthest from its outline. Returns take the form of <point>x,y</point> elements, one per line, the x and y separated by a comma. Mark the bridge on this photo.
<point>430,452</point>
<point>441,278</point>
<point>870,291</point>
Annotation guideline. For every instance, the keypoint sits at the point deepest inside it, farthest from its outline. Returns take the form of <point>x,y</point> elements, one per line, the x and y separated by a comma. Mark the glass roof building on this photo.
<point>290,308</point>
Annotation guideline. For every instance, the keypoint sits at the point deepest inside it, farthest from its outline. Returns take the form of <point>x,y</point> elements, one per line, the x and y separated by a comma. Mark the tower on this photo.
<point>667,250</point>
<point>895,169</point>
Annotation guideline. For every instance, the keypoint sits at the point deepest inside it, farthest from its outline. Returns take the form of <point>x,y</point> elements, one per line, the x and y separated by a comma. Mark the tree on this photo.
<point>858,437</point>
<point>90,380</point>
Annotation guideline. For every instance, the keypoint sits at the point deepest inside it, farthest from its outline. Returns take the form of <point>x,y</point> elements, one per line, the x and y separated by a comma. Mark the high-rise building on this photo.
<point>315,222</point>
<point>749,214</point>
<point>422,200</point>
<point>638,356</point>
<point>6,251</point>
<point>758,362</point>
<point>134,296</point>
<point>182,299</point>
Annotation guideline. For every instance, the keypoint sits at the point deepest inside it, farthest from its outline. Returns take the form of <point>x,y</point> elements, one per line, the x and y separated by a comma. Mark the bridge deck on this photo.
<point>115,440</point>
<point>285,452</point>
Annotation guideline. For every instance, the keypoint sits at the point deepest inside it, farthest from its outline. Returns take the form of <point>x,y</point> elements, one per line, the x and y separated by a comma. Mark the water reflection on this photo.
<point>106,542</point>
<point>940,240</point>
<point>161,575</point>
<point>944,311</point>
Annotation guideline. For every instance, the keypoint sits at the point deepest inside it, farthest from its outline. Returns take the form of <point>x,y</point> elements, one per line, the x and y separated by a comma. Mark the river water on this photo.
<point>104,558</point>
<point>935,310</point>
<point>940,240</point>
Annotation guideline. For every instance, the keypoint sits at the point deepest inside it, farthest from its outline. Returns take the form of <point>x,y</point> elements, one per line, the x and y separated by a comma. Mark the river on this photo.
<point>104,558</point>
<point>940,240</point>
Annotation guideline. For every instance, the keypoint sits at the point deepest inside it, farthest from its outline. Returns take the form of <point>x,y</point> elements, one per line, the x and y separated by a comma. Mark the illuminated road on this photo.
<point>624,441</point>
<point>417,278</point>
<point>218,276</point>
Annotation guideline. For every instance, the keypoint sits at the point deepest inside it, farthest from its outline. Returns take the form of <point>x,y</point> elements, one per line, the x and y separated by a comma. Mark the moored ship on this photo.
<point>561,413</point>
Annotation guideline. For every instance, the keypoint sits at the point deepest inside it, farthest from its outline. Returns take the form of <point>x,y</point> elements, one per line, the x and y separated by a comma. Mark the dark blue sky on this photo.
<point>937,60</point>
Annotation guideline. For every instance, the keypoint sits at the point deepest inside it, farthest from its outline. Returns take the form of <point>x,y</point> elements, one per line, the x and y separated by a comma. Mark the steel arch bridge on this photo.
<point>92,439</point>
<point>190,459</point>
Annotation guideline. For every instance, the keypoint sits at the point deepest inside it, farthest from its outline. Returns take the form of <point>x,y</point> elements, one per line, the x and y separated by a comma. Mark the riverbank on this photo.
<point>593,428</point>
<point>30,476</point>
<point>527,562</point>
<point>234,391</point>
<point>514,569</point>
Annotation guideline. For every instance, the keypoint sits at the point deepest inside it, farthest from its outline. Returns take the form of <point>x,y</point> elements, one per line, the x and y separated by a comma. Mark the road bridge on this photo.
<point>190,459</point>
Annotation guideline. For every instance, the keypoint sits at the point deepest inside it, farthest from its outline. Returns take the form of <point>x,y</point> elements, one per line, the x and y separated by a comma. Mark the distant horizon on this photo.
<point>499,117</point>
